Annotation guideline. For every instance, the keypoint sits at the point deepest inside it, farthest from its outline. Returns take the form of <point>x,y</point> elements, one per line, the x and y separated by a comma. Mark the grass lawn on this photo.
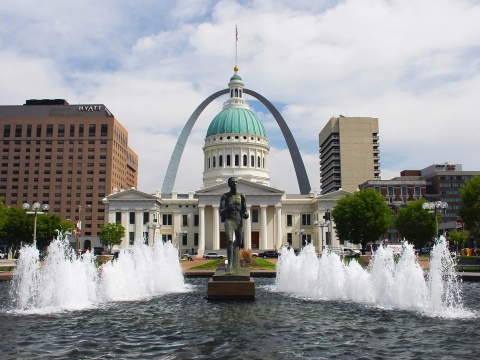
<point>257,264</point>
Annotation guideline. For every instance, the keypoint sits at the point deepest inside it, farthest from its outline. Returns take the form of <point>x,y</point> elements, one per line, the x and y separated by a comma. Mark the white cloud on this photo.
<point>414,65</point>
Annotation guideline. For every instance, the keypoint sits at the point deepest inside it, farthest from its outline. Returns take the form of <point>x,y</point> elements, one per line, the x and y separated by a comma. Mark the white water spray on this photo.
<point>64,281</point>
<point>389,283</point>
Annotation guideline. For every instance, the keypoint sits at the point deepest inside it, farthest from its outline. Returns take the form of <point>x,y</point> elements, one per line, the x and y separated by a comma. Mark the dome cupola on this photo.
<point>236,142</point>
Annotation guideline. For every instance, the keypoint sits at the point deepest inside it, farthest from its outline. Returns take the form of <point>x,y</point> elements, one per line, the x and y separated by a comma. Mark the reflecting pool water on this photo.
<point>141,307</point>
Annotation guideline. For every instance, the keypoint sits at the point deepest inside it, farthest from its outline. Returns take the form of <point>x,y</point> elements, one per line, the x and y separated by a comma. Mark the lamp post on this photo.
<point>181,234</point>
<point>299,232</point>
<point>35,207</point>
<point>435,206</point>
<point>322,226</point>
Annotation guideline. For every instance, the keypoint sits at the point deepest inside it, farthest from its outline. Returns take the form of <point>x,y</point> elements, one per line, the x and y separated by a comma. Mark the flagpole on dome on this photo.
<point>236,43</point>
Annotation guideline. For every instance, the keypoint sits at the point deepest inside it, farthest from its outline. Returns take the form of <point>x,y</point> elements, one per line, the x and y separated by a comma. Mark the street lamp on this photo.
<point>181,234</point>
<point>323,225</point>
<point>35,207</point>
<point>437,205</point>
<point>299,232</point>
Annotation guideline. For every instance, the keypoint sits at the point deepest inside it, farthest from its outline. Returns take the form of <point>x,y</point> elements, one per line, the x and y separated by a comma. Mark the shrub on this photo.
<point>246,256</point>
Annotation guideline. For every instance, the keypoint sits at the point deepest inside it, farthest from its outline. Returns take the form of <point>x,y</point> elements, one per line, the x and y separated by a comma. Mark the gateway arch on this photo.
<point>299,166</point>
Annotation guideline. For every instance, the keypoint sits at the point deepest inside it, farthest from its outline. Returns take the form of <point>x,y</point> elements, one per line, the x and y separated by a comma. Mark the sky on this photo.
<point>414,65</point>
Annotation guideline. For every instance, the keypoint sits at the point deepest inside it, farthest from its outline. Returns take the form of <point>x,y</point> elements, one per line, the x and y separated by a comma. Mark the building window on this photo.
<point>289,220</point>
<point>118,217</point>
<point>237,160</point>
<point>229,161</point>
<point>184,220</point>
<point>184,240</point>
<point>29,130</point>
<point>131,238</point>
<point>195,239</point>
<point>306,219</point>
<point>104,130</point>
<point>214,162</point>
<point>289,239</point>
<point>146,217</point>
<point>220,160</point>
<point>252,161</point>
<point>255,215</point>
<point>18,131</point>
<point>49,130</point>
<point>80,130</point>
<point>61,130</point>
<point>6,131</point>
<point>258,161</point>
<point>167,219</point>
<point>91,130</point>
<point>131,218</point>
<point>196,220</point>
<point>245,160</point>
<point>39,130</point>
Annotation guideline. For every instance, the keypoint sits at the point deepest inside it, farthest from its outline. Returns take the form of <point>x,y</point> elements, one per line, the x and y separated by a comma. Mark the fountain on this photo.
<point>67,282</point>
<point>389,283</point>
<point>140,306</point>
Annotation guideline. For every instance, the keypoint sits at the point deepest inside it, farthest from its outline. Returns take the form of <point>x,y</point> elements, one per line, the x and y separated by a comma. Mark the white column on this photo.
<point>138,224</point>
<point>126,225</point>
<point>247,231</point>
<point>216,227</point>
<point>263,227</point>
<point>201,230</point>
<point>278,226</point>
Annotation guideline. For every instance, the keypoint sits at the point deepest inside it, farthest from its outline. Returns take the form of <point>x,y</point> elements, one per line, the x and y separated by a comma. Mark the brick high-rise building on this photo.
<point>68,156</point>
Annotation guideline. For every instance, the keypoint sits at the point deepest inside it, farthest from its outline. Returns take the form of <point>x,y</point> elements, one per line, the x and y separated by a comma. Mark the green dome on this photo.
<point>235,77</point>
<point>236,121</point>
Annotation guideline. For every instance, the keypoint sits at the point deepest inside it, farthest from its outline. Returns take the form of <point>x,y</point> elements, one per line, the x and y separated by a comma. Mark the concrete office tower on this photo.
<point>67,156</point>
<point>349,153</point>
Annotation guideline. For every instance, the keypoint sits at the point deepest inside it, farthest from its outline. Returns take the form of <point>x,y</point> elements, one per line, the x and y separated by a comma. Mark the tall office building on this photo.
<point>67,156</point>
<point>349,153</point>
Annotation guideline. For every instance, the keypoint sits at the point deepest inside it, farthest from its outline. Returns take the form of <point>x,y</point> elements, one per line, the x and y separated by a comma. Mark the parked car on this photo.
<point>351,253</point>
<point>425,250</point>
<point>254,255</point>
<point>269,254</point>
<point>213,255</point>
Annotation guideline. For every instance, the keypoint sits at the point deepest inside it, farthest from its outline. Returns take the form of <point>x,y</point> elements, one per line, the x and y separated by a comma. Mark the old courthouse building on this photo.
<point>67,156</point>
<point>236,144</point>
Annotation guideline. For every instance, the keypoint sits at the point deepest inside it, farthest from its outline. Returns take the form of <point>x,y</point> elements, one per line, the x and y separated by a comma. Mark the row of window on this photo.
<point>49,130</point>
<point>212,162</point>
<point>417,190</point>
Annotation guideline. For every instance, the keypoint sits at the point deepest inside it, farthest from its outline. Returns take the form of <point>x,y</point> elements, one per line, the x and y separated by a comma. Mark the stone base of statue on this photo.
<point>236,285</point>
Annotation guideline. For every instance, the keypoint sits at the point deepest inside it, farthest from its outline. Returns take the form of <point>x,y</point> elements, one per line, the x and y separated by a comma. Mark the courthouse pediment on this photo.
<point>243,186</point>
<point>255,193</point>
<point>131,195</point>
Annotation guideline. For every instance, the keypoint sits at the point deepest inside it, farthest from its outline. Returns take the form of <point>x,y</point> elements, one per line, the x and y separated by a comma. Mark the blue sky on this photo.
<point>415,65</point>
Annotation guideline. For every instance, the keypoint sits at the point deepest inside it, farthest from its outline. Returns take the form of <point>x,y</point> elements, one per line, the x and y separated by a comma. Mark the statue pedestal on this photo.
<point>231,286</point>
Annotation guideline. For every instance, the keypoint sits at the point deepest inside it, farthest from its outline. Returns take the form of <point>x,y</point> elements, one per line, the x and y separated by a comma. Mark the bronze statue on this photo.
<point>233,209</point>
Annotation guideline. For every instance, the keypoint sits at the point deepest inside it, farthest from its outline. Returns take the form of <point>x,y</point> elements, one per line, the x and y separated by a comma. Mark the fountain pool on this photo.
<point>312,318</point>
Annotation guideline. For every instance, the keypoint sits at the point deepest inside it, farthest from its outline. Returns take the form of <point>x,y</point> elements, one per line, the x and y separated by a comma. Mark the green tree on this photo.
<point>362,217</point>
<point>458,237</point>
<point>111,235</point>
<point>416,224</point>
<point>16,227</point>
<point>469,210</point>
